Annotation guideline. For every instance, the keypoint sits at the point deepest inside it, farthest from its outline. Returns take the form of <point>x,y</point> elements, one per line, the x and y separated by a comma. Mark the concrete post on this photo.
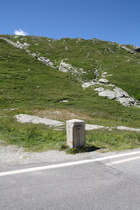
<point>75,130</point>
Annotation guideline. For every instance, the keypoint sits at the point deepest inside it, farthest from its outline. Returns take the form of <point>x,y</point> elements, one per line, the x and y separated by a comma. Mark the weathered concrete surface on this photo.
<point>75,133</point>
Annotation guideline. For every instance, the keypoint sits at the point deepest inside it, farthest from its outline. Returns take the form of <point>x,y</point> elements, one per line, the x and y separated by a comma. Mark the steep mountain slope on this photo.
<point>87,57</point>
<point>93,80</point>
<point>38,71</point>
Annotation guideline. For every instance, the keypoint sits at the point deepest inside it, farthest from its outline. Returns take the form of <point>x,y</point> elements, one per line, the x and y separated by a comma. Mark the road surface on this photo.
<point>109,181</point>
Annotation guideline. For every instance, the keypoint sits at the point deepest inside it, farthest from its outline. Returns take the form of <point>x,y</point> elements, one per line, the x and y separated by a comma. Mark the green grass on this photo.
<point>27,85</point>
<point>41,138</point>
<point>114,140</point>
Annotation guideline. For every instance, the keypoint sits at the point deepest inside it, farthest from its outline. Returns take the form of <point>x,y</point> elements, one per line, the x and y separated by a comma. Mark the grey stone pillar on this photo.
<point>75,130</point>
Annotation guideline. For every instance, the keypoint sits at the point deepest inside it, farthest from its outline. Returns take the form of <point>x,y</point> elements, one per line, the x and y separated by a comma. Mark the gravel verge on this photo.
<point>11,155</point>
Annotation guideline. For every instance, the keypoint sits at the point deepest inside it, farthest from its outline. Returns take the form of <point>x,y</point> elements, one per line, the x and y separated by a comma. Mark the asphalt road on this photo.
<point>105,182</point>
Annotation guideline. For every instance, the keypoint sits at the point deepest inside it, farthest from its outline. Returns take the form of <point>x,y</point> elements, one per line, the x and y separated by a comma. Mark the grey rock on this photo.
<point>93,127</point>
<point>117,94</point>
<point>65,67</point>
<point>126,101</point>
<point>128,128</point>
<point>24,118</point>
<point>45,61</point>
<point>99,89</point>
<point>105,81</point>
<point>25,46</point>
<point>120,93</point>
<point>64,101</point>
<point>126,48</point>
<point>108,93</point>
<point>137,49</point>
<point>88,84</point>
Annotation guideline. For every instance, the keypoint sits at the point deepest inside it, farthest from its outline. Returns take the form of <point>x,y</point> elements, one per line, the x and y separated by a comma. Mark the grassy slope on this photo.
<point>27,84</point>
<point>91,54</point>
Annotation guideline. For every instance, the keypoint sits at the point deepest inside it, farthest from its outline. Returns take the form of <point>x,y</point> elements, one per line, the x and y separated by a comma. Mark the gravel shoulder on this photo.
<point>11,155</point>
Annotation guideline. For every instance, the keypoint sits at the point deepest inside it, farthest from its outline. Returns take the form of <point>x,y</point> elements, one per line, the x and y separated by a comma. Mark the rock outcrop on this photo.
<point>110,91</point>
<point>65,67</point>
<point>103,87</point>
<point>16,44</point>
<point>117,94</point>
<point>137,49</point>
<point>25,47</point>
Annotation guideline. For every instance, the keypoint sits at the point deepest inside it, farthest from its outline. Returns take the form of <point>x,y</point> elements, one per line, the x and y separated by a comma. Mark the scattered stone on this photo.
<point>12,109</point>
<point>104,74</point>
<point>65,67</point>
<point>80,39</point>
<point>24,118</point>
<point>64,101</point>
<point>128,128</point>
<point>118,94</point>
<point>115,93</point>
<point>57,112</point>
<point>25,46</point>
<point>137,49</point>
<point>96,74</point>
<point>126,48</point>
<point>99,89</point>
<point>93,127</point>
<point>104,81</point>
<point>88,84</point>
<point>17,44</point>
<point>45,61</point>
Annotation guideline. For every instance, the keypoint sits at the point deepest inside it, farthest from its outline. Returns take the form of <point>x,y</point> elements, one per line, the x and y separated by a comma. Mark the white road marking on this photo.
<point>123,161</point>
<point>62,165</point>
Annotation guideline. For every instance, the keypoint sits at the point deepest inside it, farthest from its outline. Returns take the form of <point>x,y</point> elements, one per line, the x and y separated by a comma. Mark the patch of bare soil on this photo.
<point>59,114</point>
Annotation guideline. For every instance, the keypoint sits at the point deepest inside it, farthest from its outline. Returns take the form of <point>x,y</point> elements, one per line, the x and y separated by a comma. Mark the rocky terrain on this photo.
<point>110,91</point>
<point>104,89</point>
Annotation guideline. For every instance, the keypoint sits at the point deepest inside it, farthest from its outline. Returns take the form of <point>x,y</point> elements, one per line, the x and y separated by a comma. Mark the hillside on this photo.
<point>96,80</point>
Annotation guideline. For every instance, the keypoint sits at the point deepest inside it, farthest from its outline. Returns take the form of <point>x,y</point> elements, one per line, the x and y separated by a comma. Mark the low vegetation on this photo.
<point>31,87</point>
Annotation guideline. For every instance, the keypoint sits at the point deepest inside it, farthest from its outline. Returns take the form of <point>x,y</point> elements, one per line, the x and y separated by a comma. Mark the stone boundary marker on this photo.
<point>75,130</point>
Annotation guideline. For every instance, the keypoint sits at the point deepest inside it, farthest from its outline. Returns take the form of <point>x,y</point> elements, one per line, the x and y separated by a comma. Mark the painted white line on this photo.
<point>62,165</point>
<point>123,161</point>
